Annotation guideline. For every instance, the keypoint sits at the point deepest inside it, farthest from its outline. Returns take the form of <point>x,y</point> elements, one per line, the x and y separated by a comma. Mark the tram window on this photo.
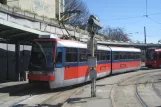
<point>116,56</point>
<point>130,55</point>
<point>83,55</point>
<point>104,55</point>
<point>88,53</point>
<point>71,55</point>
<point>96,54</point>
<point>108,56</point>
<point>123,55</point>
<point>155,55</point>
<point>137,55</point>
<point>133,55</point>
<point>59,57</point>
<point>160,55</point>
<point>126,55</point>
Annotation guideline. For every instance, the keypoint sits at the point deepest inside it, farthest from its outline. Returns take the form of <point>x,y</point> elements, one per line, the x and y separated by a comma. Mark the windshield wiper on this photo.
<point>35,66</point>
<point>42,52</point>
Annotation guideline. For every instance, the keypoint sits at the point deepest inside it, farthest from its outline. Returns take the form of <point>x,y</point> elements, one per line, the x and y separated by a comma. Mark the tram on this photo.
<point>153,58</point>
<point>62,63</point>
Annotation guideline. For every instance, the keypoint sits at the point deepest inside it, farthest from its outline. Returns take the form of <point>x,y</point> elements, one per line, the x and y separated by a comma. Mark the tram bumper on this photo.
<point>41,77</point>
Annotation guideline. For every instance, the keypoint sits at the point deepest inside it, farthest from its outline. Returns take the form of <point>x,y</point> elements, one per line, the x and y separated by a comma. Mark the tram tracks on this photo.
<point>155,89</point>
<point>146,93</point>
<point>143,89</point>
<point>138,95</point>
<point>52,98</point>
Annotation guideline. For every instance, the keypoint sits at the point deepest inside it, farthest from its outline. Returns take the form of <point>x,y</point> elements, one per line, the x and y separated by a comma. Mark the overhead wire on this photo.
<point>133,17</point>
<point>154,20</point>
<point>127,18</point>
<point>147,15</point>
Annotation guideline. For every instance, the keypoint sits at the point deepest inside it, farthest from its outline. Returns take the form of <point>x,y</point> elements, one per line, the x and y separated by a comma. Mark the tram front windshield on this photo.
<point>42,56</point>
<point>151,55</point>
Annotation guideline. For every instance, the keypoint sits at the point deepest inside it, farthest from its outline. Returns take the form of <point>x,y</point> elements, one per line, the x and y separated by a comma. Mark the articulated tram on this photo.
<point>63,63</point>
<point>153,58</point>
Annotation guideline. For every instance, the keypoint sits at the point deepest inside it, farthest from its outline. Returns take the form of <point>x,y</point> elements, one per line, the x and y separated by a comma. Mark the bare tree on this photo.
<point>115,34</point>
<point>81,19</point>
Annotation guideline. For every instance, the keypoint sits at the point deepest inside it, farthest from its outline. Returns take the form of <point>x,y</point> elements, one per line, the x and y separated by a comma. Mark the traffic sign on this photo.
<point>92,61</point>
<point>93,74</point>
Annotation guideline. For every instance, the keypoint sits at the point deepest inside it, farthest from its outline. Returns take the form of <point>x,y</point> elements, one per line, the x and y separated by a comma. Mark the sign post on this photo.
<point>93,26</point>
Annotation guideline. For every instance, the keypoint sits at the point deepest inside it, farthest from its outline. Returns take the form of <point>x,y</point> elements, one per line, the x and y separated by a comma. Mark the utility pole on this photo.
<point>93,27</point>
<point>144,34</point>
<point>93,71</point>
<point>145,43</point>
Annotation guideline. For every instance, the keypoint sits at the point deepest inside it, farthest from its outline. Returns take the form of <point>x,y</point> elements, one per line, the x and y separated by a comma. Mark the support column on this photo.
<point>17,54</point>
<point>7,62</point>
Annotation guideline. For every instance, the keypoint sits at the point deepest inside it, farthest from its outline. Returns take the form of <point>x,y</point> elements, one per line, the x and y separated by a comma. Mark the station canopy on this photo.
<point>13,32</point>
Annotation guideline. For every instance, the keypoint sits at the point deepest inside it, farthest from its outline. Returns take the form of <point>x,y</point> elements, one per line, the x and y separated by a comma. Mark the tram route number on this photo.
<point>103,68</point>
<point>122,65</point>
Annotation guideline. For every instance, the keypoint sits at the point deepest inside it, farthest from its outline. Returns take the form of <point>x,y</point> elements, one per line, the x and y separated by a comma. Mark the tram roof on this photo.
<point>76,44</point>
<point>125,49</point>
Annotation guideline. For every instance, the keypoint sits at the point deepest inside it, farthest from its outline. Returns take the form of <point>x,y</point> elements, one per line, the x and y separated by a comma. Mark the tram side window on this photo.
<point>155,55</point>
<point>88,53</point>
<point>83,55</point>
<point>137,55</point>
<point>159,55</point>
<point>96,54</point>
<point>104,55</point>
<point>126,55</point>
<point>108,55</point>
<point>131,55</point>
<point>71,55</point>
<point>123,55</point>
<point>59,57</point>
<point>116,56</point>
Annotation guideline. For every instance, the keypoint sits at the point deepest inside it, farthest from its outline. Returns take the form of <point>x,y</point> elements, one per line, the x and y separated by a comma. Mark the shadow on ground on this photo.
<point>39,105</point>
<point>33,89</point>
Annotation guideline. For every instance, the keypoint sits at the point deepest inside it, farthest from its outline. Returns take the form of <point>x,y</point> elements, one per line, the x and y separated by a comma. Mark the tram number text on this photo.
<point>122,65</point>
<point>103,68</point>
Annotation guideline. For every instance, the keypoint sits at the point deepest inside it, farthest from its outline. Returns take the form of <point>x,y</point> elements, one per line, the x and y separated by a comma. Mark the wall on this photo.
<point>59,7</point>
<point>45,8</point>
<point>7,60</point>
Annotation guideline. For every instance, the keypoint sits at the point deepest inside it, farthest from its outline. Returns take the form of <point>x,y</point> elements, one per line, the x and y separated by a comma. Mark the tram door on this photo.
<point>59,68</point>
<point>71,66</point>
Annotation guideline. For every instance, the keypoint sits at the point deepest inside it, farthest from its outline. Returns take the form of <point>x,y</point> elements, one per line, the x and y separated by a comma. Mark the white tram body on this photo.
<point>64,62</point>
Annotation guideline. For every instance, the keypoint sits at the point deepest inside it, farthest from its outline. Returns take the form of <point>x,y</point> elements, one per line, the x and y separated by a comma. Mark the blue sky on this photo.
<point>112,13</point>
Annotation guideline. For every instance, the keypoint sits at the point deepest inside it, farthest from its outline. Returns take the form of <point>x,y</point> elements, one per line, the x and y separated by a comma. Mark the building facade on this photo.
<point>44,8</point>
